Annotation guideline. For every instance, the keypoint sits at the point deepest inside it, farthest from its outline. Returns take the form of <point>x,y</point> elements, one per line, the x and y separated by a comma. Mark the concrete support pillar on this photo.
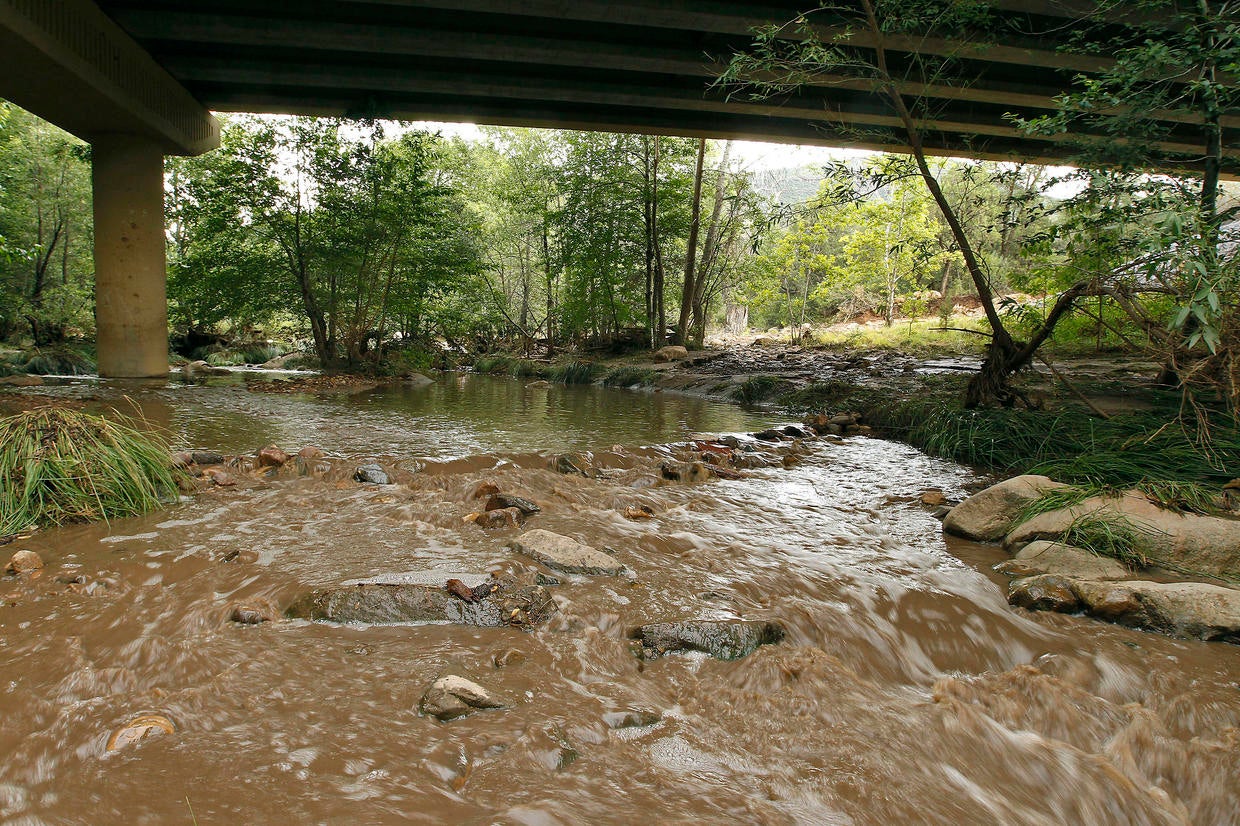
<point>131,304</point>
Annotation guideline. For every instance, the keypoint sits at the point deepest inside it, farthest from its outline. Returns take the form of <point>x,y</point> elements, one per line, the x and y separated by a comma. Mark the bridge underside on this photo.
<point>137,79</point>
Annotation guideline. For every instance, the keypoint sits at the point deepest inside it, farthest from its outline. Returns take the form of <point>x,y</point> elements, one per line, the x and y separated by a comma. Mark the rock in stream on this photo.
<point>721,639</point>
<point>503,601</point>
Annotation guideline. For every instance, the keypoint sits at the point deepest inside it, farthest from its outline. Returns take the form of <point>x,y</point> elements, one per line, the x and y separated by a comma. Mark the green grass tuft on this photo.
<point>631,377</point>
<point>574,372</point>
<point>60,466</point>
<point>1111,536</point>
<point>755,389</point>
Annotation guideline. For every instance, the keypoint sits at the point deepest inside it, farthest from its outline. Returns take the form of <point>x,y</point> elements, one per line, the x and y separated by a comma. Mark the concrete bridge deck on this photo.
<point>139,78</point>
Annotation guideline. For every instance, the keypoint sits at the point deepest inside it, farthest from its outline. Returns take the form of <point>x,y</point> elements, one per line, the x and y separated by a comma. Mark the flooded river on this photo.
<point>905,689</point>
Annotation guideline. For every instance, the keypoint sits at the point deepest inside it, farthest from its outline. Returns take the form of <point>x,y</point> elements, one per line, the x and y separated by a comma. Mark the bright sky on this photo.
<point>754,155</point>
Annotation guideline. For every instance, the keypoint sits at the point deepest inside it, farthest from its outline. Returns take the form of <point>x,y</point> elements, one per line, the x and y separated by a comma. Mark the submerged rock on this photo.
<point>310,453</point>
<point>140,728</point>
<point>379,603</point>
<point>502,518</point>
<point>721,639</point>
<point>688,473</point>
<point>371,475</point>
<point>563,554</point>
<point>272,456</point>
<point>987,516</point>
<point>250,615</point>
<point>24,562</point>
<point>220,477</point>
<point>452,696</point>
<point>499,501</point>
<point>634,718</point>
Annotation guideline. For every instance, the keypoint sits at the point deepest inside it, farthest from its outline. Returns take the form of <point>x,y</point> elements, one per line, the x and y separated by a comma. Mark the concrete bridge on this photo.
<point>138,79</point>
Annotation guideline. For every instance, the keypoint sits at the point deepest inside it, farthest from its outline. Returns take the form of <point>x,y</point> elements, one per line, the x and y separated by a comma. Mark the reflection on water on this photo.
<point>906,690</point>
<point>458,415</point>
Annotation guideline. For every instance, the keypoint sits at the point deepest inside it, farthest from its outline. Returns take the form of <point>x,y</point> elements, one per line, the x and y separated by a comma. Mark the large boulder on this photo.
<point>563,554</point>
<point>453,696</point>
<point>1057,558</point>
<point>988,515</point>
<point>1208,545</point>
<point>1194,610</point>
<point>721,639</point>
<point>672,352</point>
<point>497,602</point>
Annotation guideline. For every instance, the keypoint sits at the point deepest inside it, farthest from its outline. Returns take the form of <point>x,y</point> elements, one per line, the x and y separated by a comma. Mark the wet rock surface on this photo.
<point>987,516</point>
<point>139,729</point>
<point>371,475</point>
<point>721,639</point>
<point>1194,610</point>
<point>23,562</point>
<point>560,553</point>
<point>497,602</point>
<point>499,501</point>
<point>453,696</point>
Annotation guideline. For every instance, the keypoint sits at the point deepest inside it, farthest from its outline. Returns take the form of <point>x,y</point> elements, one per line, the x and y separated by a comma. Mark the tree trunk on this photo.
<point>687,292</point>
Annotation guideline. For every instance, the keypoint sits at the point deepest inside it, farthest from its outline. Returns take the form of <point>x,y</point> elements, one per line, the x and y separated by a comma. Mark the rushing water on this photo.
<point>905,691</point>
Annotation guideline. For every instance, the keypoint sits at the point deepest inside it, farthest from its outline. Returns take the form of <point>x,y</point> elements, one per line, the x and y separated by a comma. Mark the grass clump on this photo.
<point>59,361</point>
<point>1114,537</point>
<point>631,377</point>
<point>574,372</point>
<point>61,466</point>
<point>755,389</point>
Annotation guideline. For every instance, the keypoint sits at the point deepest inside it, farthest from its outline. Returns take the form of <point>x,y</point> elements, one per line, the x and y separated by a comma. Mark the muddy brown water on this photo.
<point>905,691</point>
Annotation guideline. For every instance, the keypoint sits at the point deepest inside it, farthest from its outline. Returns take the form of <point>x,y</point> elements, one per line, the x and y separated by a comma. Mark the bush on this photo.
<point>59,466</point>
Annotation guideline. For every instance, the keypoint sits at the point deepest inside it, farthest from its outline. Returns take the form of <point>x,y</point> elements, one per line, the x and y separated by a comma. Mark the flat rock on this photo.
<point>21,380</point>
<point>371,475</point>
<point>207,457</point>
<point>378,603</point>
<point>988,515</point>
<point>1194,610</point>
<point>1045,557</point>
<point>453,696</point>
<point>563,554</point>
<point>1208,545</point>
<point>721,639</point>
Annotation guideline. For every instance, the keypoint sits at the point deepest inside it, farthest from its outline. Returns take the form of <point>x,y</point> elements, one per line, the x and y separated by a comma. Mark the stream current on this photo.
<point>905,691</point>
